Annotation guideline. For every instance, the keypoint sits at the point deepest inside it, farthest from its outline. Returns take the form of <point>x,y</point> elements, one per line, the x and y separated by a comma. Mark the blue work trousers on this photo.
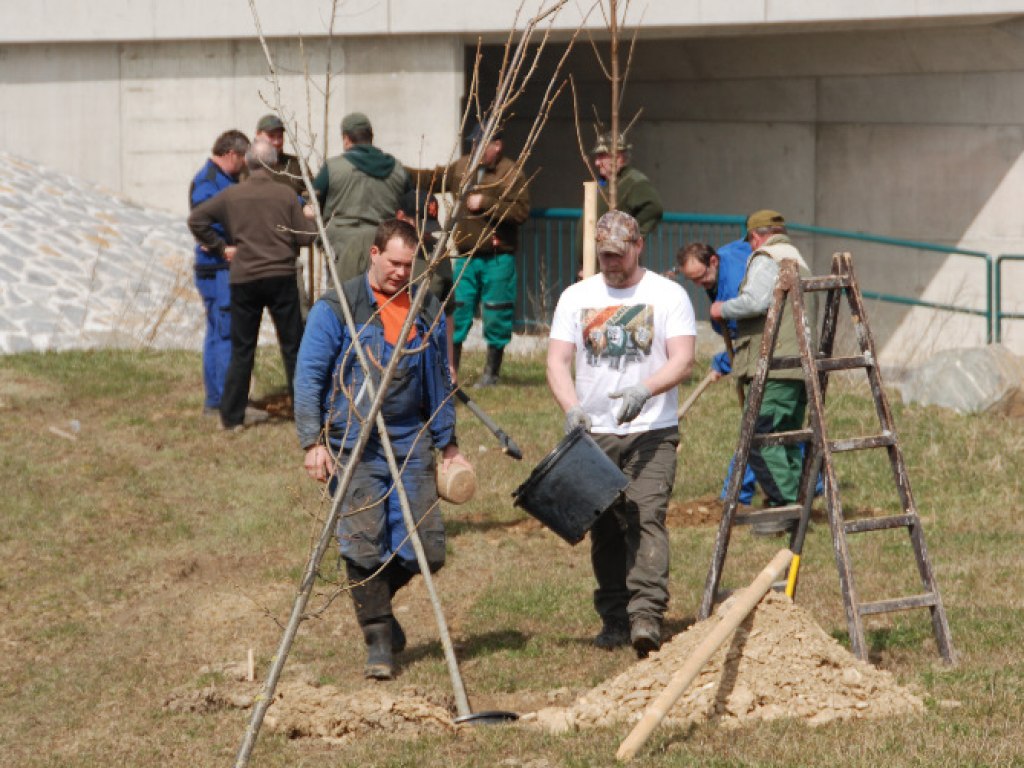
<point>216,294</point>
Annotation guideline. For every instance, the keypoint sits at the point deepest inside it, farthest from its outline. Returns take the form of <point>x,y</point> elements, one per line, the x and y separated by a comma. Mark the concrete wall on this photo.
<point>124,20</point>
<point>911,134</point>
<point>907,129</point>
<point>139,118</point>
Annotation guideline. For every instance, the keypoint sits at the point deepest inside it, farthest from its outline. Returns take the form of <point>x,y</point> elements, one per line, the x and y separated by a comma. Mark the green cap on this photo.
<point>269,123</point>
<point>764,219</point>
<point>355,121</point>
<point>603,145</point>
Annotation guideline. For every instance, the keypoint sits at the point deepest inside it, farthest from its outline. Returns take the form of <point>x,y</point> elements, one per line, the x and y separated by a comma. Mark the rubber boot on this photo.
<point>379,662</point>
<point>491,369</point>
<point>371,598</point>
<point>456,356</point>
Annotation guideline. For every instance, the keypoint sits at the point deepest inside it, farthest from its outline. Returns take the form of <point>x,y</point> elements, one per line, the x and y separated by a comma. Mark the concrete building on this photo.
<point>900,118</point>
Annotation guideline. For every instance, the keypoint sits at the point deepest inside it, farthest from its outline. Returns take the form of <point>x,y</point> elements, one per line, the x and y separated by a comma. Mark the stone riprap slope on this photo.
<point>81,267</point>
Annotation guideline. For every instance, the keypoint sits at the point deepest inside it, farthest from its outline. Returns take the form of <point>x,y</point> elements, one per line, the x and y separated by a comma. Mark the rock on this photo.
<point>972,380</point>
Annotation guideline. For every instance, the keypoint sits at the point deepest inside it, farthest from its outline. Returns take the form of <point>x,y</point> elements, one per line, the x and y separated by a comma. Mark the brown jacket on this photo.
<point>263,219</point>
<point>506,204</point>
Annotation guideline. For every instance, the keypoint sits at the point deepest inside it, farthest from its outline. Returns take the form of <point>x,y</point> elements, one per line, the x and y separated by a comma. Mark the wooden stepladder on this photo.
<point>817,364</point>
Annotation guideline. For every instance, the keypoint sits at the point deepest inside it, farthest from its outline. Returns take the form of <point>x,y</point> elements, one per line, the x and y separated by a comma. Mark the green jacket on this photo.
<point>750,330</point>
<point>637,197</point>
<point>361,187</point>
<point>506,204</point>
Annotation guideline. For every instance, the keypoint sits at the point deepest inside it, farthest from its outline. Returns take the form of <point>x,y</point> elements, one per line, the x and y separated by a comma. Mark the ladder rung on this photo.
<point>782,438</point>
<point>927,600</point>
<point>769,515</point>
<point>785,361</point>
<point>879,523</point>
<point>845,363</point>
<point>824,363</point>
<point>825,283</point>
<point>862,443</point>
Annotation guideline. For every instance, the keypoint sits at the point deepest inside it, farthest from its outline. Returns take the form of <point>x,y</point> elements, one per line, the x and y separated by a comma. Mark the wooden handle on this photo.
<point>745,603</point>
<point>704,384</point>
<point>589,225</point>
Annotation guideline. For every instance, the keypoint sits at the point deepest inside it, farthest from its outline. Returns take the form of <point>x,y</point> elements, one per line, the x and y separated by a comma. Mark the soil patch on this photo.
<point>302,709</point>
<point>779,663</point>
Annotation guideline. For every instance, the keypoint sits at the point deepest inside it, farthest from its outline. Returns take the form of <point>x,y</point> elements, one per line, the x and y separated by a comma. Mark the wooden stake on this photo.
<point>250,668</point>
<point>745,603</point>
<point>589,225</point>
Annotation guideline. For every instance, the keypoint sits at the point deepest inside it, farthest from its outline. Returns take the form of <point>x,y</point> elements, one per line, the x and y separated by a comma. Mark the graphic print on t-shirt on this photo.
<point>617,336</point>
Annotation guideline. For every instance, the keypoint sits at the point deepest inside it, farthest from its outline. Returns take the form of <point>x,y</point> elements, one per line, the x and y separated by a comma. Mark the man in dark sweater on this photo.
<point>267,228</point>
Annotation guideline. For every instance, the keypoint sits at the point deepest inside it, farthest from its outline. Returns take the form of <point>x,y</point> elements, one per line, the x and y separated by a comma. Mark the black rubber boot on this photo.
<point>456,356</point>
<point>491,369</point>
<point>379,663</point>
<point>372,600</point>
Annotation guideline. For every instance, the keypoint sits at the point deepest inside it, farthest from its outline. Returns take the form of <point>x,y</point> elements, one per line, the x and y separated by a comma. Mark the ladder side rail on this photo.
<point>830,321</point>
<point>816,446</point>
<point>940,622</point>
<point>752,407</point>
<point>816,383</point>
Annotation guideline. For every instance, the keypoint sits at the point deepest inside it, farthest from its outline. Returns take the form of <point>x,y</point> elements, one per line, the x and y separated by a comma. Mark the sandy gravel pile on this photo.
<point>779,663</point>
<point>302,709</point>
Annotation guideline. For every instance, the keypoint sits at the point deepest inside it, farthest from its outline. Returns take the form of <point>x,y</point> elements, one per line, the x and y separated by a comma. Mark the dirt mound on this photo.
<point>301,709</point>
<point>779,663</point>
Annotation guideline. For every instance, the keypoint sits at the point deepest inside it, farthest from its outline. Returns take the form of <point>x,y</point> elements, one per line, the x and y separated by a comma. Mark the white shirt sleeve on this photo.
<point>563,323</point>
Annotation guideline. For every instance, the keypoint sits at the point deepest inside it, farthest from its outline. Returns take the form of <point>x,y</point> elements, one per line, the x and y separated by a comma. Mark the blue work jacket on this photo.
<point>732,266</point>
<point>205,184</point>
<point>330,382</point>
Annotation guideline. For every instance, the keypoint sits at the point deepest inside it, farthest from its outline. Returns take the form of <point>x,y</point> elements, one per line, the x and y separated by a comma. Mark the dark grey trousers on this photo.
<point>629,542</point>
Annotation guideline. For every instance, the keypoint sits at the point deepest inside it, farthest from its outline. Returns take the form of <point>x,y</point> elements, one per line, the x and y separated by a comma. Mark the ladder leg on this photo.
<point>901,478</point>
<point>752,407</point>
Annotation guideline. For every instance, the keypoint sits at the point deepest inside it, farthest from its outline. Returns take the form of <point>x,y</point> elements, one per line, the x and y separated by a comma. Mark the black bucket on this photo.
<point>571,487</point>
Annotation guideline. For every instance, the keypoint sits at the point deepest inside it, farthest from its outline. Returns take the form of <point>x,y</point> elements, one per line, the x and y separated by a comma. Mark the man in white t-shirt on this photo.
<point>630,334</point>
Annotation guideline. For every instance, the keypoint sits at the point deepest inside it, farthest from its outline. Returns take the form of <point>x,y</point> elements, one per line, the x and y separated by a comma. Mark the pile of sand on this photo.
<point>779,663</point>
<point>302,709</point>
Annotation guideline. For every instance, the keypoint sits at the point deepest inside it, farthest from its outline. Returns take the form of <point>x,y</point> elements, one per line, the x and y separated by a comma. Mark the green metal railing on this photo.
<point>997,290</point>
<point>550,247</point>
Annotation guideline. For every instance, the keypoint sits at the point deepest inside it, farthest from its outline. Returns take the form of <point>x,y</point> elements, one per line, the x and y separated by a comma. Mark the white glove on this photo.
<point>576,417</point>
<point>633,399</point>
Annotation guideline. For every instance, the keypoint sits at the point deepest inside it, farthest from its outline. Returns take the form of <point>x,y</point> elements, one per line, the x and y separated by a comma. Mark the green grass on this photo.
<point>153,546</point>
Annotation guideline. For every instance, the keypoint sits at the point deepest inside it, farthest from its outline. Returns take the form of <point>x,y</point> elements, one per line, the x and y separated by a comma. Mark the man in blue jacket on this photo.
<point>211,269</point>
<point>720,273</point>
<point>332,402</point>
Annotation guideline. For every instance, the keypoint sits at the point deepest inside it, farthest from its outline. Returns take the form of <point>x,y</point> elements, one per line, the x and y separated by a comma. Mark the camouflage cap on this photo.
<point>616,231</point>
<point>269,123</point>
<point>355,121</point>
<point>603,146</point>
<point>764,219</point>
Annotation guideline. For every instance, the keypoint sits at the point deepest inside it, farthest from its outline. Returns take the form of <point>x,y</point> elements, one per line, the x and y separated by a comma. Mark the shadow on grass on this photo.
<point>476,646</point>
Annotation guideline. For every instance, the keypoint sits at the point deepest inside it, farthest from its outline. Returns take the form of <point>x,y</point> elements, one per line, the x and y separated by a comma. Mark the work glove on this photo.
<point>633,399</point>
<point>576,417</point>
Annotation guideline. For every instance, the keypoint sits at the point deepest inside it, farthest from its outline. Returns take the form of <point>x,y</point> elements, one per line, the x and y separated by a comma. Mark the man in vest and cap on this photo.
<point>357,190</point>
<point>777,468</point>
<point>634,192</point>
